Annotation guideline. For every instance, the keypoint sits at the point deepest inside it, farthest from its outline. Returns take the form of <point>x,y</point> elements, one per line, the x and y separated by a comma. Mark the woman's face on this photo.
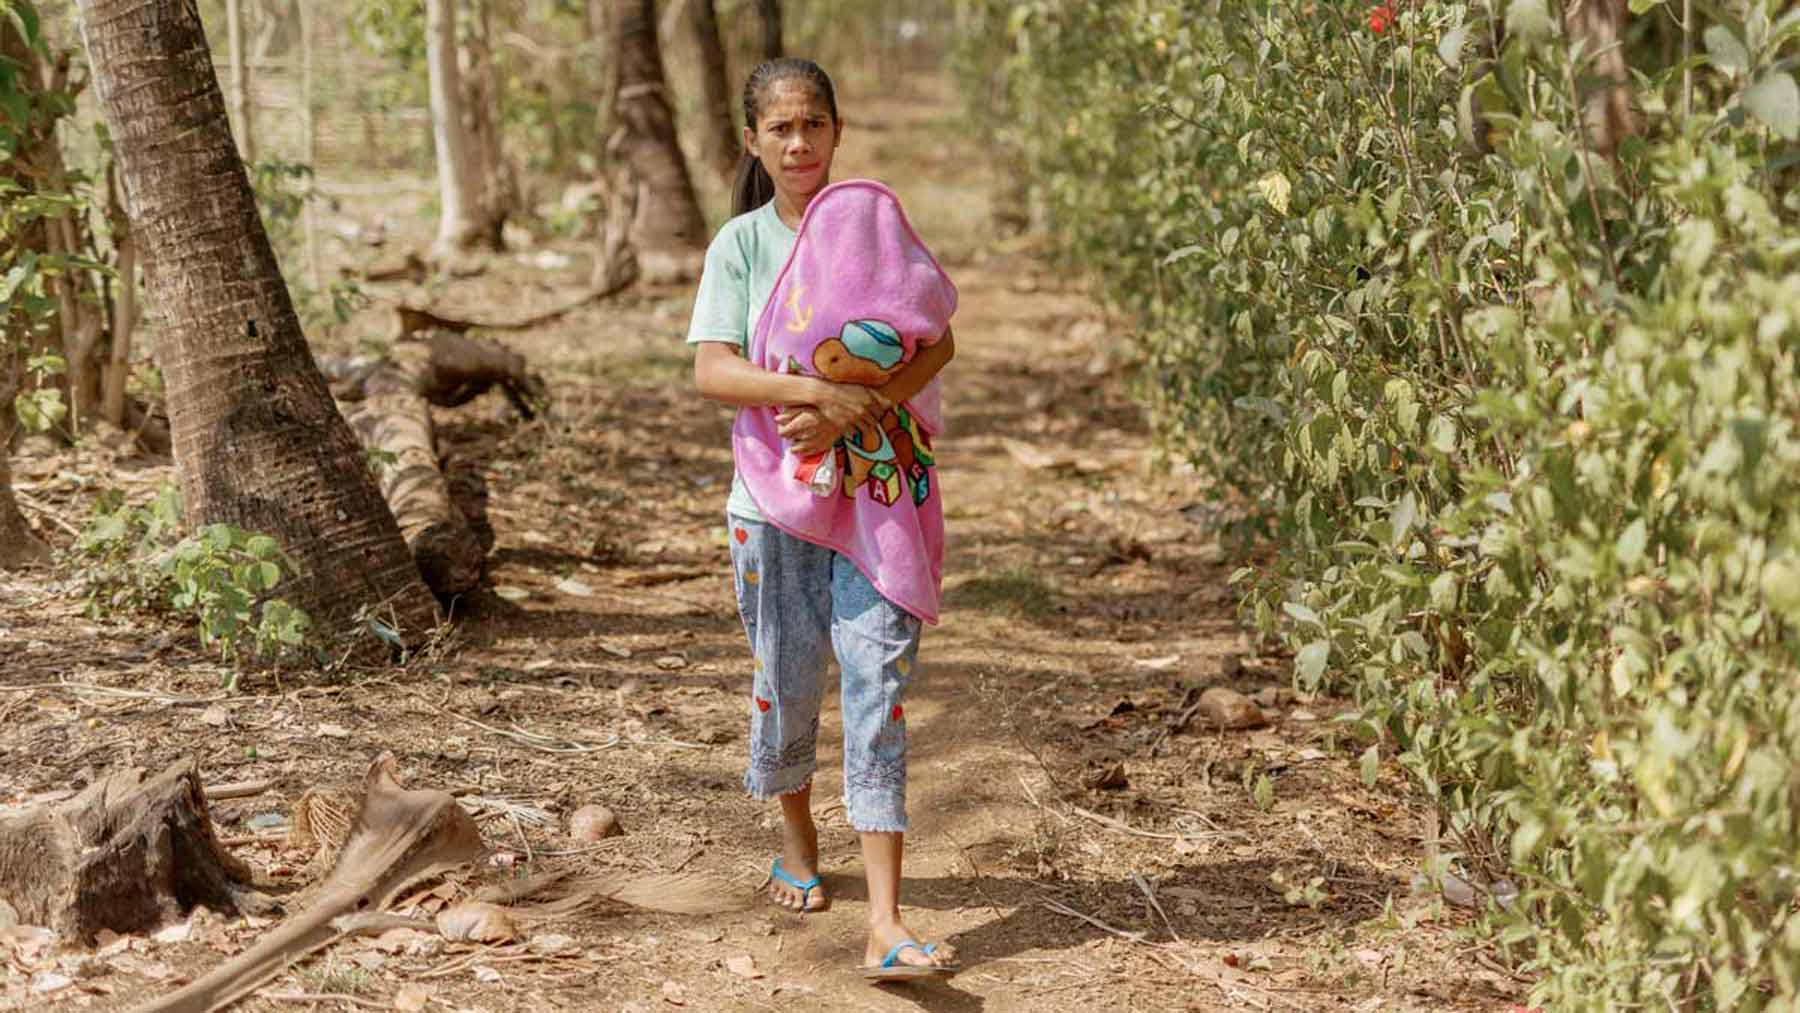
<point>795,139</point>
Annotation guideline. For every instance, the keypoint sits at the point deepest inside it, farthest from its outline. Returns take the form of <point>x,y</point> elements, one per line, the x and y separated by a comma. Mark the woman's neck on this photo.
<point>790,209</point>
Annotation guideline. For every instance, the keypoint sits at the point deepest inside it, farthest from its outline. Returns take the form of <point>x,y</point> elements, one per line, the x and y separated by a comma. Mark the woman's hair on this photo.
<point>754,188</point>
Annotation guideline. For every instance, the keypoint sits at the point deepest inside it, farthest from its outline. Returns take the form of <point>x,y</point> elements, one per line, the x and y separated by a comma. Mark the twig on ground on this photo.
<point>238,789</point>
<point>1063,909</point>
<point>526,739</point>
<point>1155,905</point>
<point>45,512</point>
<point>133,694</point>
<point>1031,796</point>
<point>322,997</point>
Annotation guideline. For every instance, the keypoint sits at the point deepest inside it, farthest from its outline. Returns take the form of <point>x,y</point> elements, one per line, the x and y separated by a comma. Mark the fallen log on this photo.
<point>394,421</point>
<point>401,837</point>
<point>126,854</point>
<point>455,370</point>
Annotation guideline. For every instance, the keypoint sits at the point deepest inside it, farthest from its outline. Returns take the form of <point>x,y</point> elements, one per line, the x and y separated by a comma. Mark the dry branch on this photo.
<point>401,836</point>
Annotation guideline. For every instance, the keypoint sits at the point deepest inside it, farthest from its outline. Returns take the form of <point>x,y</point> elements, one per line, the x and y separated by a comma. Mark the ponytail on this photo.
<point>753,188</point>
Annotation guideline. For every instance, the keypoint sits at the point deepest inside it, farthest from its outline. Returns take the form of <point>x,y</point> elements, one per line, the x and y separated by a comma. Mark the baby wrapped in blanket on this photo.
<point>858,297</point>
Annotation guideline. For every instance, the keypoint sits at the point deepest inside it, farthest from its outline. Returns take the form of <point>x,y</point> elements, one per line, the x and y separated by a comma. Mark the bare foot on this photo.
<point>800,860</point>
<point>885,935</point>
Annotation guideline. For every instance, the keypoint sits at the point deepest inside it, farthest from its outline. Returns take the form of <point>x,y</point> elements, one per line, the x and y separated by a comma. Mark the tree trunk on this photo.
<point>1606,78</point>
<point>769,13</point>
<point>668,231</point>
<point>127,854</point>
<point>719,140</point>
<point>241,125</point>
<point>482,98</point>
<point>257,440</point>
<point>18,545</point>
<point>467,220</point>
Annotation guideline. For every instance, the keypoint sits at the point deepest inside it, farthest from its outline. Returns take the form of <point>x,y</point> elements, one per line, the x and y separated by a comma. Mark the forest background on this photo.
<point>1479,318</point>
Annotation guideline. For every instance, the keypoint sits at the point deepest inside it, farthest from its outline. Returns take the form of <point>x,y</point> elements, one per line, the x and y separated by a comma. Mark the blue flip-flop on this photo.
<point>891,969</point>
<point>806,888</point>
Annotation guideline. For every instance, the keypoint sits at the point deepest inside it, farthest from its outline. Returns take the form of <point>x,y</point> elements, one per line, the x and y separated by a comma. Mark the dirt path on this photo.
<point>1080,853</point>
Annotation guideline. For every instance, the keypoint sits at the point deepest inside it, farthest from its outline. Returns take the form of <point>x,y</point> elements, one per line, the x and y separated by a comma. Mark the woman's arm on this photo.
<point>811,433</point>
<point>721,373</point>
<point>913,376</point>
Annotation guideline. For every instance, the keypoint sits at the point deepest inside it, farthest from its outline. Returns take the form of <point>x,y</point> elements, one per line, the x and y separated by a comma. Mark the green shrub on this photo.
<point>221,576</point>
<point>1521,419</point>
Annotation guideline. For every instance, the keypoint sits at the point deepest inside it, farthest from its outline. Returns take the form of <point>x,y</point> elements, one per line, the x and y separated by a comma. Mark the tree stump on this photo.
<point>126,854</point>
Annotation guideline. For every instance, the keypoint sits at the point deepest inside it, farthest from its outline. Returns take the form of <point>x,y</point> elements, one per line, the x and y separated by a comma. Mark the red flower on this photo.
<point>1381,18</point>
<point>898,713</point>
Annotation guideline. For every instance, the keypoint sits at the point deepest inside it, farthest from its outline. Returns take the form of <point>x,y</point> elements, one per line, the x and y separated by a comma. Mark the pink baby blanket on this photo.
<point>858,297</point>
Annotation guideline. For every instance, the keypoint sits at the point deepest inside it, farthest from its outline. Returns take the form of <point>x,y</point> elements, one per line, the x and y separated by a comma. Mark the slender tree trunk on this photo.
<point>465,221</point>
<point>769,13</point>
<point>257,440</point>
<point>18,545</point>
<point>719,140</point>
<point>1606,78</point>
<point>668,231</point>
<point>309,219</point>
<point>241,125</point>
<point>125,303</point>
<point>482,117</point>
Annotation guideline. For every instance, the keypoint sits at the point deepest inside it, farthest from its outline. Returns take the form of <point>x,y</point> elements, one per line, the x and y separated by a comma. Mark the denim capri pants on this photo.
<point>800,604</point>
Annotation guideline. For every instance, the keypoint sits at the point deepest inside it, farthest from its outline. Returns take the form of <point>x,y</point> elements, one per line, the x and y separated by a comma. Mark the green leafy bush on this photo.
<point>1520,418</point>
<point>222,576</point>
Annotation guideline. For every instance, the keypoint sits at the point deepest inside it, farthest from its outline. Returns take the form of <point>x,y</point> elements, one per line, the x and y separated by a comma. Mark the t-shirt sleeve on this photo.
<point>721,307</point>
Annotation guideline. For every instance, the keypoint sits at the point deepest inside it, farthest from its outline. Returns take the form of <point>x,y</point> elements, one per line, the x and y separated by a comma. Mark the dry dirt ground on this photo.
<point>1081,852</point>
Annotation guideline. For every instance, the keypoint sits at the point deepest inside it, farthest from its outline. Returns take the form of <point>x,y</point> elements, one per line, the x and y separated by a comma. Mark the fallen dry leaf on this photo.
<point>332,731</point>
<point>743,965</point>
<point>411,998</point>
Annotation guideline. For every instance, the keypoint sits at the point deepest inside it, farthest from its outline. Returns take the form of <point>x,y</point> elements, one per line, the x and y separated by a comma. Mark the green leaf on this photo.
<point>1301,612</point>
<point>1775,99</point>
<point>1529,20</point>
<point>1449,48</point>
<point>1264,793</point>
<point>262,547</point>
<point>1371,765</point>
<point>1725,51</point>
<point>1630,546</point>
<point>269,574</point>
<point>1309,663</point>
<point>1641,6</point>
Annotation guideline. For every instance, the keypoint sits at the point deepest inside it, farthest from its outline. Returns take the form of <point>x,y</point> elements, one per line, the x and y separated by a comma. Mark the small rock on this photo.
<point>412,998</point>
<point>550,943</point>
<point>215,716</point>
<point>575,588</point>
<point>743,965</point>
<point>1227,708</point>
<point>333,731</point>
<point>592,823</point>
<point>267,821</point>
<point>671,662</point>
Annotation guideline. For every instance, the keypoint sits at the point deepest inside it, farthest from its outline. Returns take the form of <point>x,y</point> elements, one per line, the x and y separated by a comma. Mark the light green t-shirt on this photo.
<point>741,265</point>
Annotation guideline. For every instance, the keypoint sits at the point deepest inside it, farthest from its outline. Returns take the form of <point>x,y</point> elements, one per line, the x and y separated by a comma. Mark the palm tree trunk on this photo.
<point>719,140</point>
<point>668,231</point>
<point>257,440</point>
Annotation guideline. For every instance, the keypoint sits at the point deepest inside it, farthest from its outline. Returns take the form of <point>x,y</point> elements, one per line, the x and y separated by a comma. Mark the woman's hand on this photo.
<point>809,432</point>
<point>842,405</point>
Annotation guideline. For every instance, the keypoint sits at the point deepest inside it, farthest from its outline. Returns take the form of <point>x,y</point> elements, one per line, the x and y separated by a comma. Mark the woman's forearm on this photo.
<point>913,376</point>
<point>721,374</point>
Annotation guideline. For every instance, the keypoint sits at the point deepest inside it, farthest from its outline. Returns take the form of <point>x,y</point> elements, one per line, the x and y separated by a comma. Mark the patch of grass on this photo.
<point>332,976</point>
<point>1017,591</point>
